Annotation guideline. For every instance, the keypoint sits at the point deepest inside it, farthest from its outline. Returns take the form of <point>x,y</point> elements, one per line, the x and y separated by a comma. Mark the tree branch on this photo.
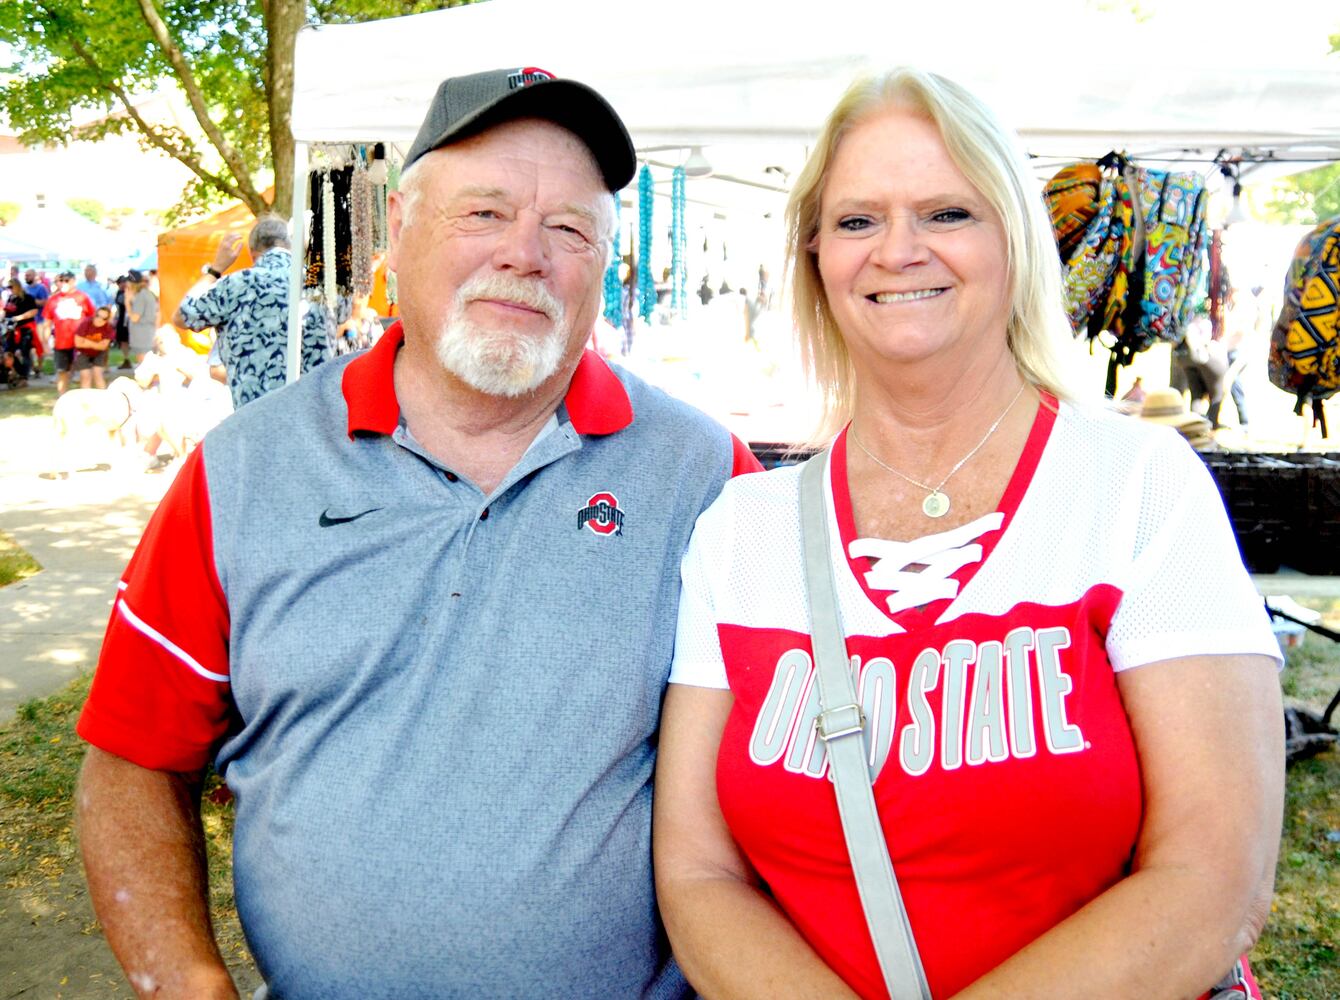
<point>189,160</point>
<point>177,61</point>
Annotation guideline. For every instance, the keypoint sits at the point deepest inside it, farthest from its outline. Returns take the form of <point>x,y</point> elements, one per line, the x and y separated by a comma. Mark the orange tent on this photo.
<point>183,252</point>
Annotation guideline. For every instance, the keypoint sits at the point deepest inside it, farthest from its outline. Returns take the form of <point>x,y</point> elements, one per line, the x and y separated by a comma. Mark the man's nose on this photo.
<point>522,246</point>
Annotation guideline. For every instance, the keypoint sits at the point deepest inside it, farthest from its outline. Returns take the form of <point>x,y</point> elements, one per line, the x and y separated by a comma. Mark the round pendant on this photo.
<point>936,504</point>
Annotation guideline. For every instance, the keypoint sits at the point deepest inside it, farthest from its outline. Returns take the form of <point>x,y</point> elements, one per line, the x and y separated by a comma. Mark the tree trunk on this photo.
<point>283,18</point>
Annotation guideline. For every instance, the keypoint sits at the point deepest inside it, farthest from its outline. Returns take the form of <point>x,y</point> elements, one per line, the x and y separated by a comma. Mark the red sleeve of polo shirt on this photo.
<point>745,461</point>
<point>160,696</point>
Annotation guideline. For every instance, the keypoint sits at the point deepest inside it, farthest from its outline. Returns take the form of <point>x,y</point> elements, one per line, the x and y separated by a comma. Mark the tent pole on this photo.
<point>298,228</point>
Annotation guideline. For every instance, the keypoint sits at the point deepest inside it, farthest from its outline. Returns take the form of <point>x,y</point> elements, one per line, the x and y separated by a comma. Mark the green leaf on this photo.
<point>87,57</point>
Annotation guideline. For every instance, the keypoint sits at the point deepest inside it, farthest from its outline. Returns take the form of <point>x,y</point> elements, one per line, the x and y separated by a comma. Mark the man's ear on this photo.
<point>395,220</point>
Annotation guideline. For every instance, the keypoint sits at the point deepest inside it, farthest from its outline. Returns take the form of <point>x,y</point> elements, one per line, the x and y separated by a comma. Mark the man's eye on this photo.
<point>570,235</point>
<point>484,213</point>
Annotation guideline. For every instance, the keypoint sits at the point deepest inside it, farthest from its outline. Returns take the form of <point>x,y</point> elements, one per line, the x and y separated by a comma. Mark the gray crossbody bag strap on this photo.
<point>841,725</point>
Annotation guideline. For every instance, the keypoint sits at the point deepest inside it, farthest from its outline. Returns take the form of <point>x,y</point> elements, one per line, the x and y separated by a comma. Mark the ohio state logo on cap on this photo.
<point>527,75</point>
<point>602,515</point>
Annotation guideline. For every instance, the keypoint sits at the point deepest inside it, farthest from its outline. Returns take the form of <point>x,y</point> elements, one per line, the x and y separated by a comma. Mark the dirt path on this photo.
<point>52,947</point>
<point>82,530</point>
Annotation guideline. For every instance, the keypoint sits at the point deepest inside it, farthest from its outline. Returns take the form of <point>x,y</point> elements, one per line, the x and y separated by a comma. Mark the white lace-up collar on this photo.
<point>942,554</point>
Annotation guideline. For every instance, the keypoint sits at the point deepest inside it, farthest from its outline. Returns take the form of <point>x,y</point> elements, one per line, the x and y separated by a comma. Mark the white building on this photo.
<point>116,171</point>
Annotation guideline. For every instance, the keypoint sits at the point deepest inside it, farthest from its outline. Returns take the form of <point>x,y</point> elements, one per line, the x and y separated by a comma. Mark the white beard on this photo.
<point>502,362</point>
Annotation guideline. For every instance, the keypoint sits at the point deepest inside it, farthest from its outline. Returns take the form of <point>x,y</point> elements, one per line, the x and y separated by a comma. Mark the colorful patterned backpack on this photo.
<point>1073,199</point>
<point>1305,344</point>
<point>1175,239</point>
<point>1132,241</point>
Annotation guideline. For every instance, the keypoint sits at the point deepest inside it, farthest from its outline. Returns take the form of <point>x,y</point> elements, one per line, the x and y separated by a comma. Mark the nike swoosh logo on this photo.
<point>326,521</point>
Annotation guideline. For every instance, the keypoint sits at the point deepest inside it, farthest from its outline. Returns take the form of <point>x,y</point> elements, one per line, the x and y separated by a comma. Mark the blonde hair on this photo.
<point>1037,330</point>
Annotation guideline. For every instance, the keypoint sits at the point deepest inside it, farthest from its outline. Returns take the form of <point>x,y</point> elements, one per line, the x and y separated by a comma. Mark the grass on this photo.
<point>1298,956</point>
<point>40,755</point>
<point>15,563</point>
<point>34,401</point>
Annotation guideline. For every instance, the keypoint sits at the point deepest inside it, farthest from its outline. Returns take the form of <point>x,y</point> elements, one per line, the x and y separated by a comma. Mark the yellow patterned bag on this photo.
<point>1305,344</point>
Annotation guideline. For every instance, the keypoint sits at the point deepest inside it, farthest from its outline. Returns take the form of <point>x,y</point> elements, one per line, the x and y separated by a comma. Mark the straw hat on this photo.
<point>1168,406</point>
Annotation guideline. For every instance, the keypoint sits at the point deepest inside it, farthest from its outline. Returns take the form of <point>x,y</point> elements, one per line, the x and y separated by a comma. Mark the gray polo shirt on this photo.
<point>437,709</point>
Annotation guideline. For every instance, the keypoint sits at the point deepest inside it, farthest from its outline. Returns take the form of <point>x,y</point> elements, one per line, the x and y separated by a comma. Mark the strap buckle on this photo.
<point>844,720</point>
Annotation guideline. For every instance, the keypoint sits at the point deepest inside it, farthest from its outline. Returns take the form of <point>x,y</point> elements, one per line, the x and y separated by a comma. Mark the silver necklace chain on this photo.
<point>936,503</point>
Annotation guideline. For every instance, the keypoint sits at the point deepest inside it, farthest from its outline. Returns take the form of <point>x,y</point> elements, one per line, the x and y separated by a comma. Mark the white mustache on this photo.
<point>506,288</point>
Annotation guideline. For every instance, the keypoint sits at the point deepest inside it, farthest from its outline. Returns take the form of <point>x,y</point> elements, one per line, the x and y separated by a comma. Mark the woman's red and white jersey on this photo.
<point>1004,769</point>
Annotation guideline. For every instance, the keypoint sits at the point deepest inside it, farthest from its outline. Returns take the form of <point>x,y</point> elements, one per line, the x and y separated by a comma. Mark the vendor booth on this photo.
<point>745,86</point>
<point>183,251</point>
<point>733,93</point>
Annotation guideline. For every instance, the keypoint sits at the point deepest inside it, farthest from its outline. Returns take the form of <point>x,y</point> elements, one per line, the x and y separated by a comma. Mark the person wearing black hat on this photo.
<point>418,608</point>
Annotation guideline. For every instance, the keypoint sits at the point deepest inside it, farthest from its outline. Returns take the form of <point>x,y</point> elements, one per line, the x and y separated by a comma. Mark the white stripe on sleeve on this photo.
<point>142,626</point>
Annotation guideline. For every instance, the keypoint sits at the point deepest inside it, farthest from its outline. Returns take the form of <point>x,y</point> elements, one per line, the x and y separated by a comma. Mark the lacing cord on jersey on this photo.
<point>941,554</point>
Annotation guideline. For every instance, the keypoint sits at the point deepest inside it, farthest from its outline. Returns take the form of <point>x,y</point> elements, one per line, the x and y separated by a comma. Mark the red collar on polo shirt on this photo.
<point>597,402</point>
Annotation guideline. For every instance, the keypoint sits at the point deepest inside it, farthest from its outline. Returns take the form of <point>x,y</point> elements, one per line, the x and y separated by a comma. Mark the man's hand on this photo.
<point>228,252</point>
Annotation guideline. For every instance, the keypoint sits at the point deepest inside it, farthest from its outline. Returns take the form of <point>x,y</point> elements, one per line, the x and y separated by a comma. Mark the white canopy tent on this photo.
<point>55,232</point>
<point>18,251</point>
<point>751,81</point>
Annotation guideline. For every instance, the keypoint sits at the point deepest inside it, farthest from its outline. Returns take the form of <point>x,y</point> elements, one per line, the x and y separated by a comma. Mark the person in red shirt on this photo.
<point>93,341</point>
<point>66,308</point>
<point>1021,652</point>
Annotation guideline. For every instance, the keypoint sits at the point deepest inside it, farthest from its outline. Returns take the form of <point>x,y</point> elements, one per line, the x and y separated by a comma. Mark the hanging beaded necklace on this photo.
<point>679,271</point>
<point>613,286</point>
<point>646,290</point>
<point>936,503</point>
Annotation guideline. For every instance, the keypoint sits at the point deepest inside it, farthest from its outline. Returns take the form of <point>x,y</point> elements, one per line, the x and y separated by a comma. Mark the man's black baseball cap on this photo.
<point>467,105</point>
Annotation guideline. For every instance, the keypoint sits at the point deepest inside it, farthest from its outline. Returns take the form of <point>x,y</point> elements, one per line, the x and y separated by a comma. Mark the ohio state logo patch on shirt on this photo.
<point>602,515</point>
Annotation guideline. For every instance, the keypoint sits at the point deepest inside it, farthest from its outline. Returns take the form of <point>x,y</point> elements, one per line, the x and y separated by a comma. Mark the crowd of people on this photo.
<point>79,328</point>
<point>79,322</point>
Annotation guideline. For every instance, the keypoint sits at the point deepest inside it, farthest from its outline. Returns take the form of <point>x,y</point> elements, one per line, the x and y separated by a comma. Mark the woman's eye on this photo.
<point>484,213</point>
<point>949,216</point>
<point>854,224</point>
